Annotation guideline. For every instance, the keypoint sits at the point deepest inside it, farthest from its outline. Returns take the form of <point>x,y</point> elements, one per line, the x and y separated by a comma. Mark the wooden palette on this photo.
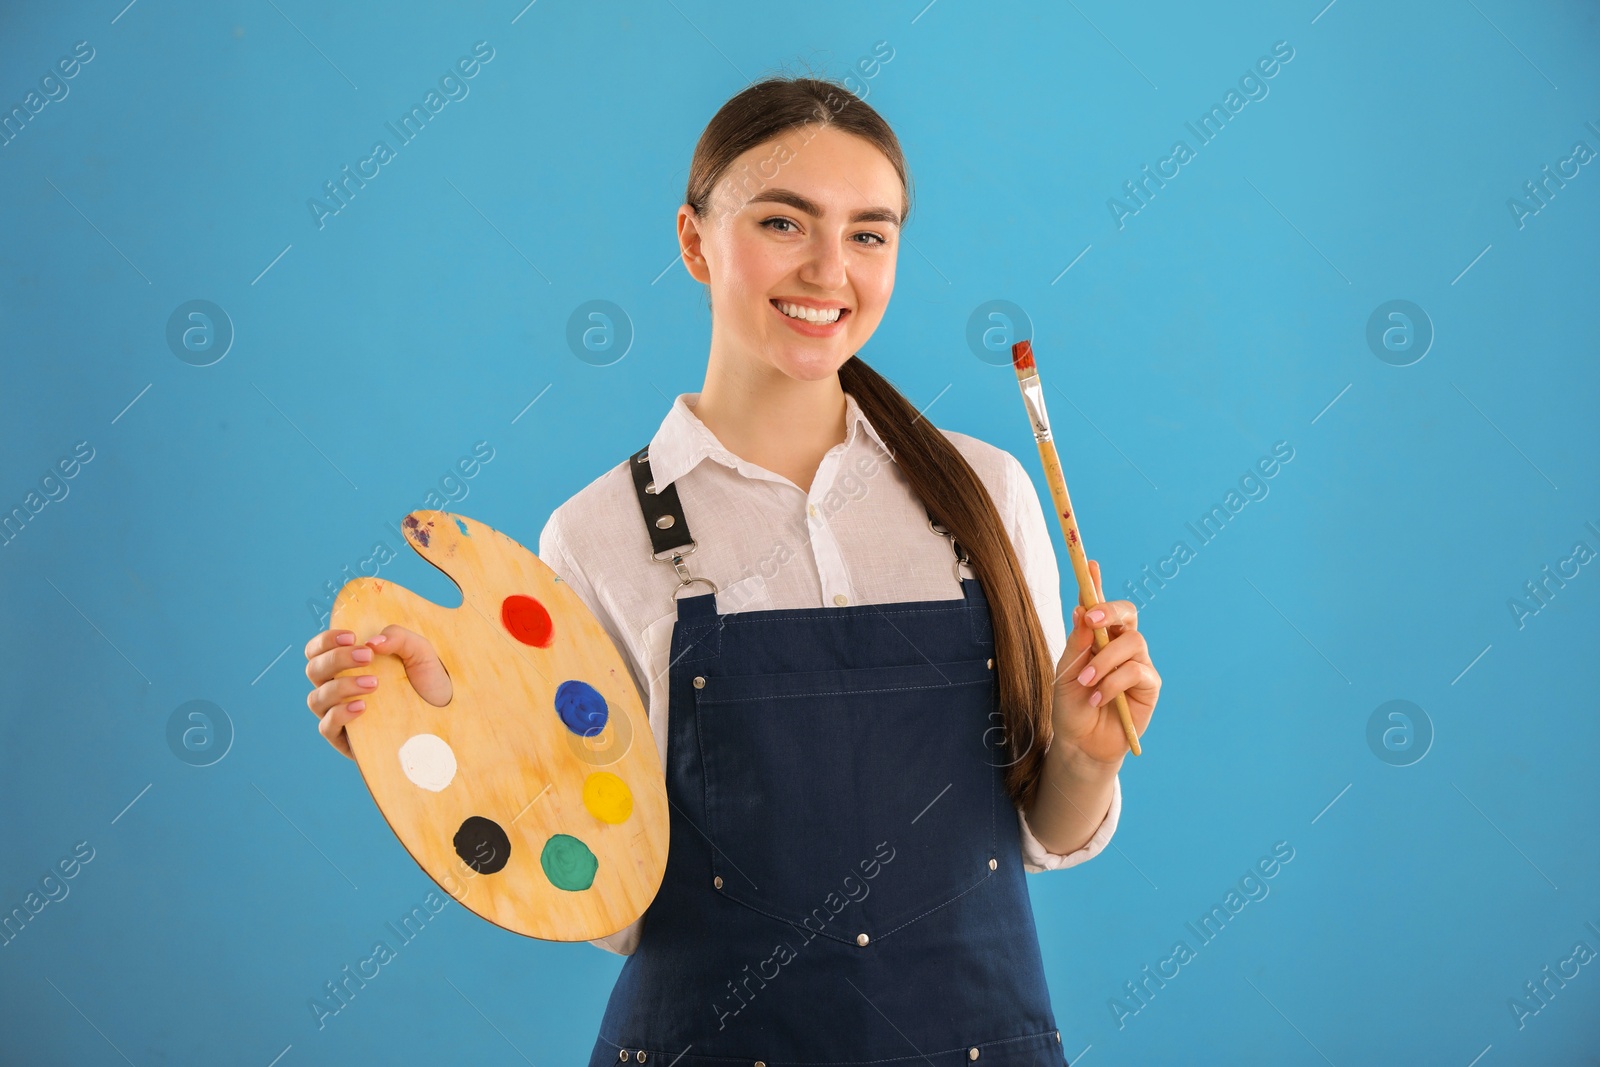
<point>535,797</point>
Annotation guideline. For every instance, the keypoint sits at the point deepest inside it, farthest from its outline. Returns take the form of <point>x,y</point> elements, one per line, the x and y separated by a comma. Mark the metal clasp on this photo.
<point>675,556</point>
<point>955,546</point>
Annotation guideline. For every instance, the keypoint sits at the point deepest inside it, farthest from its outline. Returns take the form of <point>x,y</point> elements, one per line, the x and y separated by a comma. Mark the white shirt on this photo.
<point>860,536</point>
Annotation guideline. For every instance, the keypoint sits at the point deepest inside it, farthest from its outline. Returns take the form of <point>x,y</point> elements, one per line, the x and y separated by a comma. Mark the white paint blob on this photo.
<point>428,761</point>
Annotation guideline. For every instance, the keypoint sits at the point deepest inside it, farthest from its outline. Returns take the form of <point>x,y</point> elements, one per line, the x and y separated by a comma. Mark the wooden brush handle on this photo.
<point>1088,590</point>
<point>1032,387</point>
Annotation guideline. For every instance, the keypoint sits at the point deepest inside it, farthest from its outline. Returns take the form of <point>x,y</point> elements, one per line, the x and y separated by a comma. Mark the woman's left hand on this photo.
<point>1086,680</point>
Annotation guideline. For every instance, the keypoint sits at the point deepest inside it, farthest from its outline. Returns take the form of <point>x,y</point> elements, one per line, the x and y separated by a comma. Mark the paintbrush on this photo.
<point>1088,592</point>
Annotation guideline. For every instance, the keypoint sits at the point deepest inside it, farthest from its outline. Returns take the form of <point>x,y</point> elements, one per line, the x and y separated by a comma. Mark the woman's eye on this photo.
<point>776,223</point>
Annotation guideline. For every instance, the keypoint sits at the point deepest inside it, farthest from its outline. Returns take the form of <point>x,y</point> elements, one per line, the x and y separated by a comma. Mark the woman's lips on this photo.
<point>812,329</point>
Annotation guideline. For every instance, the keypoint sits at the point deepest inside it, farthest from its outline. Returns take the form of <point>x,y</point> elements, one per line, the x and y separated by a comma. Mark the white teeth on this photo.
<point>822,318</point>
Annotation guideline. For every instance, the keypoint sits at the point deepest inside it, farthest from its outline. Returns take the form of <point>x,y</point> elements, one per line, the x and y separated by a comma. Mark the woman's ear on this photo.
<point>694,261</point>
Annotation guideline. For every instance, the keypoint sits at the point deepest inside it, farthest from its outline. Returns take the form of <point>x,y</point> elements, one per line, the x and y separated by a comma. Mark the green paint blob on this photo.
<point>568,863</point>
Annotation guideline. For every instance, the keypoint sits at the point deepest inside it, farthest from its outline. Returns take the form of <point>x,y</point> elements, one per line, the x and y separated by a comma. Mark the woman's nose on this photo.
<point>824,267</point>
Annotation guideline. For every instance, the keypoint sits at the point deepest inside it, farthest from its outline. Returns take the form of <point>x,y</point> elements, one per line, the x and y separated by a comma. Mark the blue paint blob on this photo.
<point>581,708</point>
<point>462,527</point>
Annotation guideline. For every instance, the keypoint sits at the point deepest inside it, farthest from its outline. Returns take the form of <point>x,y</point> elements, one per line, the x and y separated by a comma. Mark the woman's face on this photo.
<point>811,218</point>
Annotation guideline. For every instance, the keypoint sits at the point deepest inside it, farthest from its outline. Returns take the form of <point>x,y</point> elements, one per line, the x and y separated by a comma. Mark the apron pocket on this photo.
<point>851,802</point>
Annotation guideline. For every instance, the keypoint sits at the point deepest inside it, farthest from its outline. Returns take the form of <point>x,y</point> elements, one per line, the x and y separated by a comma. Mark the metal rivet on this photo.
<point>1058,1037</point>
<point>650,487</point>
<point>699,681</point>
<point>665,522</point>
<point>623,1055</point>
<point>639,1056</point>
<point>644,457</point>
<point>993,863</point>
<point>991,663</point>
<point>972,1053</point>
<point>760,1064</point>
<point>861,939</point>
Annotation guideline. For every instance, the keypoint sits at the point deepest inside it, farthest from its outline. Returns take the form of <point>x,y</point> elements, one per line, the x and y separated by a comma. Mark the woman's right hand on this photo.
<point>338,700</point>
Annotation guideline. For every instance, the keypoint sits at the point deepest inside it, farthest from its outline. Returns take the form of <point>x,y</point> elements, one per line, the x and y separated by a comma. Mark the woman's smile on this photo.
<point>814,322</point>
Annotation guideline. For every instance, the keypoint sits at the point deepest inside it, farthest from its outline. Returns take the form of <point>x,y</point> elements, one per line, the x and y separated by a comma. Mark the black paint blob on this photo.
<point>482,845</point>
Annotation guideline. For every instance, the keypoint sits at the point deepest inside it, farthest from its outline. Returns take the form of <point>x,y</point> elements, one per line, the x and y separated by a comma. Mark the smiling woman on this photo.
<point>848,702</point>
<point>770,227</point>
<point>806,267</point>
<point>873,653</point>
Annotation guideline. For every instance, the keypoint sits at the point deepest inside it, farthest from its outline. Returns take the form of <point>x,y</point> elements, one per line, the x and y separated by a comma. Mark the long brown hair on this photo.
<point>939,474</point>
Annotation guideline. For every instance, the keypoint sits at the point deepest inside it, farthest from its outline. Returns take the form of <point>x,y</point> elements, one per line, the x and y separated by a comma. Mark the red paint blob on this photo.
<point>527,620</point>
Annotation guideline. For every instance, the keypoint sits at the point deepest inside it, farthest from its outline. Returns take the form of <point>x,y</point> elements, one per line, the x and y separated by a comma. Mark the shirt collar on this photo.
<point>682,440</point>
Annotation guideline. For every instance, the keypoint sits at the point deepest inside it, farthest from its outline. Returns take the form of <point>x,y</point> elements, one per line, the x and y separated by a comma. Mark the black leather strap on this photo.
<point>663,513</point>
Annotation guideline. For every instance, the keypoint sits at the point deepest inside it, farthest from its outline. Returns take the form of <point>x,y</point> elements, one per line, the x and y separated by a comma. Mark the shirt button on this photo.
<point>813,509</point>
<point>861,939</point>
<point>699,682</point>
<point>840,599</point>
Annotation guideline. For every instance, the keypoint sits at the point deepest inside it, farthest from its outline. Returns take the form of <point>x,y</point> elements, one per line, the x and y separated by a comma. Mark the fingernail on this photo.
<point>1094,701</point>
<point>346,639</point>
<point>367,681</point>
<point>1097,616</point>
<point>356,705</point>
<point>1088,673</point>
<point>380,639</point>
<point>361,655</point>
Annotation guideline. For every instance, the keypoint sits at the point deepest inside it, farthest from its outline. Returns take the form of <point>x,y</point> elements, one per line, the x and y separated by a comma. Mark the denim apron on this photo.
<point>844,880</point>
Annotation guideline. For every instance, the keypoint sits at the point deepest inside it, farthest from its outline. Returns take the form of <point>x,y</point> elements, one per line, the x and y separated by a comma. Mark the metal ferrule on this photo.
<point>1033,398</point>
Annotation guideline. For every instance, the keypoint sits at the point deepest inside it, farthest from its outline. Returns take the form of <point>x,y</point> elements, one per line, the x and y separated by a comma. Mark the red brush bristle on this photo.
<point>1022,355</point>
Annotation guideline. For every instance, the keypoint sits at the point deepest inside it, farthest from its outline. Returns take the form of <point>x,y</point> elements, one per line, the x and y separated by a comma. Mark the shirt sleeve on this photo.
<point>1035,548</point>
<point>553,554</point>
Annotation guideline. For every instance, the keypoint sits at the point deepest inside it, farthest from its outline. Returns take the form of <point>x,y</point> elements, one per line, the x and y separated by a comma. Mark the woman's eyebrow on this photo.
<point>815,210</point>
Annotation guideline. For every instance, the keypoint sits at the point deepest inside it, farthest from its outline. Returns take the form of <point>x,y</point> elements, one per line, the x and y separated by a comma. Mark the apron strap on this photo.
<point>663,512</point>
<point>670,539</point>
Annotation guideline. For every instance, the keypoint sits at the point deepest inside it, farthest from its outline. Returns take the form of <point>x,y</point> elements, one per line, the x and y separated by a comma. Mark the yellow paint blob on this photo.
<point>607,797</point>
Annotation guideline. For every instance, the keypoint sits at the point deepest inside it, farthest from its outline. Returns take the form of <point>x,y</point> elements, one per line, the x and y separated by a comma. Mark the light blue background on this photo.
<point>1228,314</point>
